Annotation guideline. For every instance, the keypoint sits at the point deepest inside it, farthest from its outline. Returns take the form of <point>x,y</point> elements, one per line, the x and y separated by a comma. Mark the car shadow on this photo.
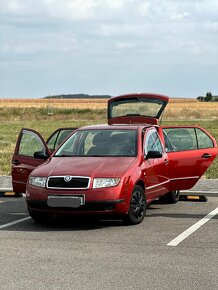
<point>58,223</point>
<point>73,223</point>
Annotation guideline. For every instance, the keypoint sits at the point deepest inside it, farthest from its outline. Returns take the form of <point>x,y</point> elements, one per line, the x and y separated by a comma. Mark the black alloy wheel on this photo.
<point>137,208</point>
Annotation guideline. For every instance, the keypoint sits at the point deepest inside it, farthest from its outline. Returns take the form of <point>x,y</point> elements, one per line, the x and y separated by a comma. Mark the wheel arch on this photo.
<point>141,184</point>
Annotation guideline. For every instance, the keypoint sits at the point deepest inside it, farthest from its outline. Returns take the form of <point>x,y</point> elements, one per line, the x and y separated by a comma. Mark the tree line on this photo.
<point>77,96</point>
<point>208,98</point>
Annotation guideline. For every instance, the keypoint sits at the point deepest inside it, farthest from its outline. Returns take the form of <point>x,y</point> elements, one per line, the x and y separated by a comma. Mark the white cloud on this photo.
<point>39,43</point>
<point>90,37</point>
<point>120,29</point>
<point>85,9</point>
<point>64,9</point>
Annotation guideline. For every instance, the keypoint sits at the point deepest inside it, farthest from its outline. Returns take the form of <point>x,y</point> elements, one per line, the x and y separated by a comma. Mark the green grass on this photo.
<point>14,119</point>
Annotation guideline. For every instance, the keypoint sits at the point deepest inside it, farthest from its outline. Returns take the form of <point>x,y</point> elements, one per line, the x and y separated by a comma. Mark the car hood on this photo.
<point>85,166</point>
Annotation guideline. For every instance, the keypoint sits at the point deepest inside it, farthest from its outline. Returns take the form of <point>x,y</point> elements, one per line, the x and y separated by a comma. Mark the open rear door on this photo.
<point>136,109</point>
<point>31,151</point>
<point>191,150</point>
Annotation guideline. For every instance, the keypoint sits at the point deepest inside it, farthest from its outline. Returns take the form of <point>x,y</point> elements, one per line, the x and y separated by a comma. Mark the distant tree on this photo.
<point>201,99</point>
<point>78,96</point>
<point>208,97</point>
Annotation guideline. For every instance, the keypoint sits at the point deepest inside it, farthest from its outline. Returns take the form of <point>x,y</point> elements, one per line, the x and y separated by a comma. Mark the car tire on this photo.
<point>18,194</point>
<point>172,197</point>
<point>137,207</point>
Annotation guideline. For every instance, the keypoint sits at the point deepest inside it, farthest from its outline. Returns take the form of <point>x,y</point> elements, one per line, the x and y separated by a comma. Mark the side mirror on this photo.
<point>153,155</point>
<point>41,155</point>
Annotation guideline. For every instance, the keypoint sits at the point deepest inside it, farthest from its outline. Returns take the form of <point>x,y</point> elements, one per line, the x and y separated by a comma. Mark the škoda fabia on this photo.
<point>115,169</point>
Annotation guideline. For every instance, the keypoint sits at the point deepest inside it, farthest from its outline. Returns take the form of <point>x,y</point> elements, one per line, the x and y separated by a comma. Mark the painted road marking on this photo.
<point>192,229</point>
<point>1,201</point>
<point>14,223</point>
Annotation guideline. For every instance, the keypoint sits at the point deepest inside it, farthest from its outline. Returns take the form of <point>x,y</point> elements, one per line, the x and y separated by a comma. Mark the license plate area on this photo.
<point>72,201</point>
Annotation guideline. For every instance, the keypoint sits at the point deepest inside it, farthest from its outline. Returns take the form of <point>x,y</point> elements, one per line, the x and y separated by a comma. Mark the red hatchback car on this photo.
<point>114,169</point>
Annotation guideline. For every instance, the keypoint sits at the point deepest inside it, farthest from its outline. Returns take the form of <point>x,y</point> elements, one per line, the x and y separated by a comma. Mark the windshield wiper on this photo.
<point>95,155</point>
<point>63,155</point>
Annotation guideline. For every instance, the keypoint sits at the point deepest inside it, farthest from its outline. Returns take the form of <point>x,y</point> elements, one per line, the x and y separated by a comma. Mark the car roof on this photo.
<point>115,127</point>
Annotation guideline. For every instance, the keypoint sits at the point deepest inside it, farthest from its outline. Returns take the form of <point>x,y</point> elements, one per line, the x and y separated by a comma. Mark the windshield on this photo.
<point>89,143</point>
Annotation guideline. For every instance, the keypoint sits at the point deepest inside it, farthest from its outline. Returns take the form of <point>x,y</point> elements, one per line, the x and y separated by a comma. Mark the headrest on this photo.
<point>98,139</point>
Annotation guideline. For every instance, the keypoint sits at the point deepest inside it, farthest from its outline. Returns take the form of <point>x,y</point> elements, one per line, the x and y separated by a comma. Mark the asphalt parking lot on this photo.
<point>66,254</point>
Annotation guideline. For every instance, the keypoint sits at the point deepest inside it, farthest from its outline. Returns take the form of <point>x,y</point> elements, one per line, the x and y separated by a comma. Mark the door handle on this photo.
<point>166,161</point>
<point>206,155</point>
<point>15,162</point>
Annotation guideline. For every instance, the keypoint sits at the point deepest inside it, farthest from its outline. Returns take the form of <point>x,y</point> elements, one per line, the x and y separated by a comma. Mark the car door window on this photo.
<point>204,141</point>
<point>30,143</point>
<point>152,142</point>
<point>181,139</point>
<point>168,146</point>
<point>58,137</point>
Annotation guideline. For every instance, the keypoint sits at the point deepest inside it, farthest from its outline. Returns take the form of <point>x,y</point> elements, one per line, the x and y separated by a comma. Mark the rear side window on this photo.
<point>204,141</point>
<point>181,139</point>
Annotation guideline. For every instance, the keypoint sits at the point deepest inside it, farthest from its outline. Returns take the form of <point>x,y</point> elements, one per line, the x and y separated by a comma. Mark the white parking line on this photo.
<point>14,223</point>
<point>193,228</point>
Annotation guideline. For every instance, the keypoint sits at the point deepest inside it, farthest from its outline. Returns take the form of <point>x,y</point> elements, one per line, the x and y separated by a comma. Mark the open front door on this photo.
<point>191,150</point>
<point>31,151</point>
<point>155,169</point>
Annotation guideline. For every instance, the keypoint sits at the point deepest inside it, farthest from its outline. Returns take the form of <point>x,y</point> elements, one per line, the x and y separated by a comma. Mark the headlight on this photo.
<point>38,181</point>
<point>105,182</point>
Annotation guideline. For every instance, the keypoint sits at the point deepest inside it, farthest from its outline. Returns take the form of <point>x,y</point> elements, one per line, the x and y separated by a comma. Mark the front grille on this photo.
<point>68,182</point>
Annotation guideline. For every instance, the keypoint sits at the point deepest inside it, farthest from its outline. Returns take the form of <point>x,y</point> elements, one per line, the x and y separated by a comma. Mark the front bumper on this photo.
<point>97,201</point>
<point>90,207</point>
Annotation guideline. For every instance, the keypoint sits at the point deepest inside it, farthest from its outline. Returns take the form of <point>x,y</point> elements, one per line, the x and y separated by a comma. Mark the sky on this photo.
<point>50,47</point>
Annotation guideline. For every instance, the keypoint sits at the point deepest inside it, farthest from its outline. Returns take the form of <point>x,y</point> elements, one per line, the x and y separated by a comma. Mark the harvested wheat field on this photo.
<point>46,115</point>
<point>177,109</point>
<point>54,103</point>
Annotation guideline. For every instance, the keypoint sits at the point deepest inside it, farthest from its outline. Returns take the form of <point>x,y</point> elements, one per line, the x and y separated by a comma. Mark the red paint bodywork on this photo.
<point>158,176</point>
